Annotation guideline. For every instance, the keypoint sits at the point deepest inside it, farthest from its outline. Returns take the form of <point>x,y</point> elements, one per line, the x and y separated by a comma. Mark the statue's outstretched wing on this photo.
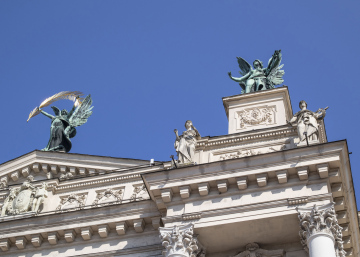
<point>81,113</point>
<point>273,71</point>
<point>244,66</point>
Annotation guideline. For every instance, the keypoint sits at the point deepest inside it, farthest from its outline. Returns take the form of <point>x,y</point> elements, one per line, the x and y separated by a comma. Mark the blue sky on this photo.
<point>152,65</point>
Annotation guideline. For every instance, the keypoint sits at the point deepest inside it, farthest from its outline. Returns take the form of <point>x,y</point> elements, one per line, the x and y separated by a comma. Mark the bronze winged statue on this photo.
<point>64,123</point>
<point>260,78</point>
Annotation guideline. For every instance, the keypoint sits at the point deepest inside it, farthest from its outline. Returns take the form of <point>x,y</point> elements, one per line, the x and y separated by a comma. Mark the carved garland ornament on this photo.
<point>179,241</point>
<point>139,193</point>
<point>256,116</point>
<point>109,196</point>
<point>321,221</point>
<point>72,201</point>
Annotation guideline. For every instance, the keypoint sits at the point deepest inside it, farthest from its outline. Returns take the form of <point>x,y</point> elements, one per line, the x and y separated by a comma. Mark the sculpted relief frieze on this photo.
<point>27,198</point>
<point>73,201</point>
<point>251,152</point>
<point>254,250</point>
<point>139,193</point>
<point>255,116</point>
<point>108,196</point>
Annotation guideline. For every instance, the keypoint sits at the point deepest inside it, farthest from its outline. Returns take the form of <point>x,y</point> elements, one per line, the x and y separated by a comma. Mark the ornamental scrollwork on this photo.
<point>317,221</point>
<point>179,241</point>
<point>256,116</point>
<point>73,201</point>
<point>139,193</point>
<point>109,196</point>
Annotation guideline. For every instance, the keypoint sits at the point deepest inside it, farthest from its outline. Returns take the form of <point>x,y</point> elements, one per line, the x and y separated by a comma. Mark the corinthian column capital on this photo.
<point>320,221</point>
<point>179,241</point>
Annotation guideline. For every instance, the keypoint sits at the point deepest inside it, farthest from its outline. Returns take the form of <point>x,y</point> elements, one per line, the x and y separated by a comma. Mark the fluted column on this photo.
<point>179,241</point>
<point>320,232</point>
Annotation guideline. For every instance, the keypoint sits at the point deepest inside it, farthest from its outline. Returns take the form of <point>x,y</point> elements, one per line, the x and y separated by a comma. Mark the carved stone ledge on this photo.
<point>337,190</point>
<point>297,201</point>
<point>36,167</point>
<point>5,244</point>
<point>156,222</point>
<point>54,169</point>
<point>192,216</point>
<point>20,242</point>
<point>36,240</point>
<point>203,188</point>
<point>303,173</point>
<point>139,225</point>
<point>339,203</point>
<point>25,171</point>
<point>103,230</point>
<point>242,182</point>
<point>323,170</point>
<point>222,186</point>
<point>121,228</point>
<point>86,233</point>
<point>185,191</point>
<point>166,195</point>
<point>15,175</point>
<point>69,235</point>
<point>53,238</point>
<point>262,179</point>
<point>282,176</point>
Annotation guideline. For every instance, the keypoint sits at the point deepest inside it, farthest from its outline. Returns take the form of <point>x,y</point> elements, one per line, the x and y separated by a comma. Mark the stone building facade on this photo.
<point>260,190</point>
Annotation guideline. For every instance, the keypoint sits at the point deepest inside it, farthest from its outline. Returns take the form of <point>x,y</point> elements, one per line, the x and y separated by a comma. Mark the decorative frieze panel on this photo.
<point>251,152</point>
<point>139,193</point>
<point>251,117</point>
<point>71,202</point>
<point>26,198</point>
<point>179,241</point>
<point>109,196</point>
<point>254,250</point>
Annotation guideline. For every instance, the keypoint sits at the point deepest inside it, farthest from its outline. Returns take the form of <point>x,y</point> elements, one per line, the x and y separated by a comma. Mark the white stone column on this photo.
<point>179,241</point>
<point>320,232</point>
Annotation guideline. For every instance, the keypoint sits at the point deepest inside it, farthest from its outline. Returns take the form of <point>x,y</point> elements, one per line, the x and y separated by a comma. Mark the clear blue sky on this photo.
<point>152,65</point>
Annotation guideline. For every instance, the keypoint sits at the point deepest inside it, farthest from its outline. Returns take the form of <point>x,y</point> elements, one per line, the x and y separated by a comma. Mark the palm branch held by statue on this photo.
<point>64,123</point>
<point>259,78</point>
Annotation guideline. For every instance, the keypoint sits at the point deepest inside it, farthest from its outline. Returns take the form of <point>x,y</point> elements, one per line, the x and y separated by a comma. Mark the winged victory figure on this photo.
<point>64,123</point>
<point>259,78</point>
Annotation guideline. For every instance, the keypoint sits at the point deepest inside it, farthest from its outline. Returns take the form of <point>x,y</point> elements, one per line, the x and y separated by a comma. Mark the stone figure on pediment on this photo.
<point>307,123</point>
<point>39,197</point>
<point>186,143</point>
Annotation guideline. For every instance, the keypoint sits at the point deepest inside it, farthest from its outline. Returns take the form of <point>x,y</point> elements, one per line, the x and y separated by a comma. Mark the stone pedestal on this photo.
<point>258,110</point>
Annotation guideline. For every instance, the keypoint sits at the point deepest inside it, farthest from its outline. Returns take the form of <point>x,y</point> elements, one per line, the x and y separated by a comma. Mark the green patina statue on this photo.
<point>64,123</point>
<point>259,78</point>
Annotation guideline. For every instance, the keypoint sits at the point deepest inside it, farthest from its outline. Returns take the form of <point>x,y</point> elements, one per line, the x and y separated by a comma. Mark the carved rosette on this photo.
<point>321,221</point>
<point>179,241</point>
<point>256,116</point>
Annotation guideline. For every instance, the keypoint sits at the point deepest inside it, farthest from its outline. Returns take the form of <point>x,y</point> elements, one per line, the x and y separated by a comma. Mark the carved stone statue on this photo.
<point>40,195</point>
<point>24,199</point>
<point>64,123</point>
<point>259,78</point>
<point>185,144</point>
<point>307,123</point>
<point>254,250</point>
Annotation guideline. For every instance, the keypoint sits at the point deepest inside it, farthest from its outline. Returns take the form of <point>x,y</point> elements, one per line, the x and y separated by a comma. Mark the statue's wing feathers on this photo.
<point>82,113</point>
<point>244,66</point>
